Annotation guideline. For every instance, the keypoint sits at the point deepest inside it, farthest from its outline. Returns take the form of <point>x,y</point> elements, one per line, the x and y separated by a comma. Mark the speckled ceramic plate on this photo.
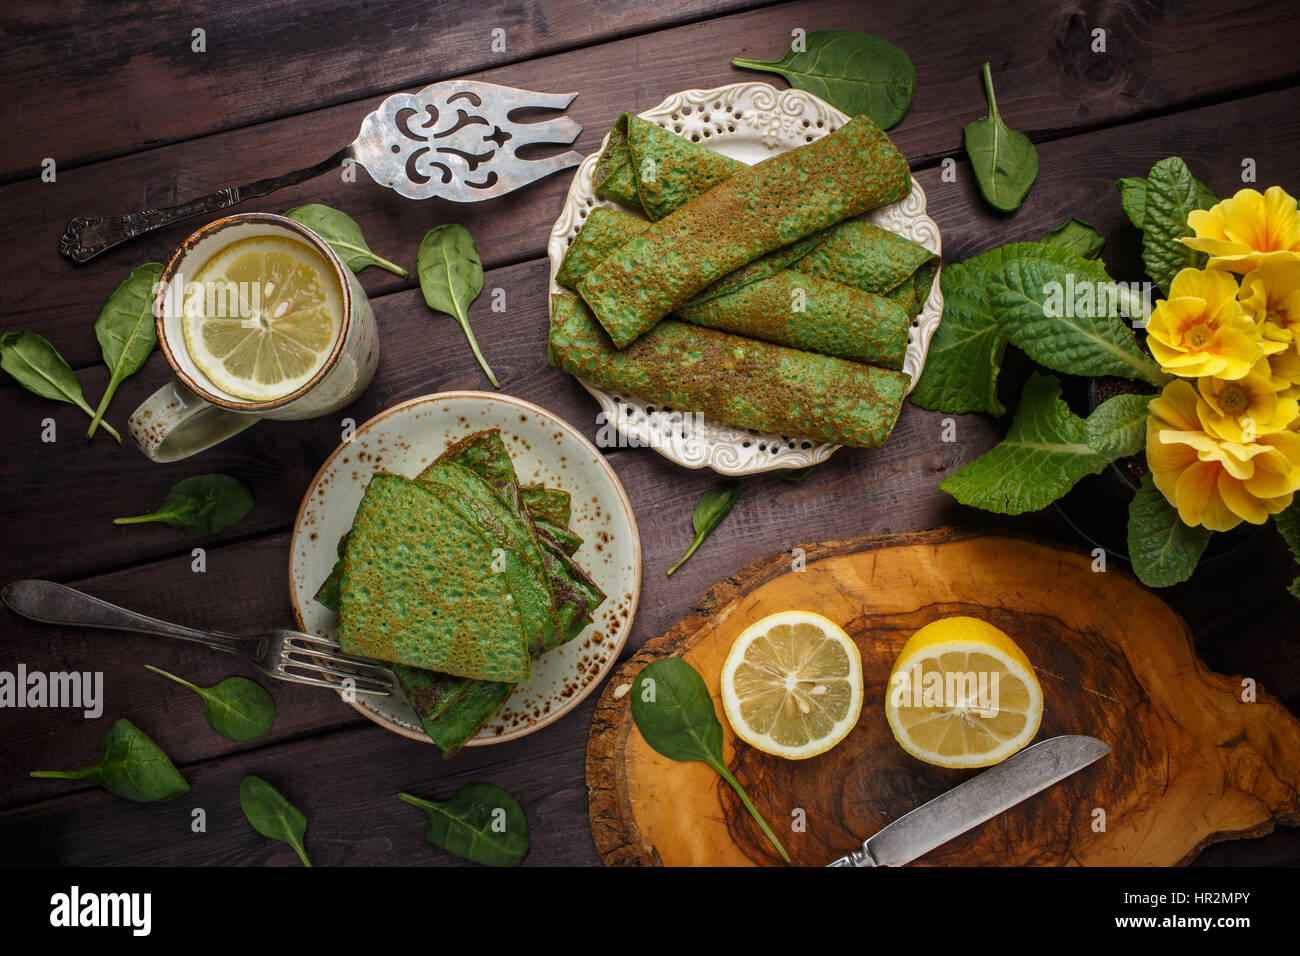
<point>749,122</point>
<point>408,437</point>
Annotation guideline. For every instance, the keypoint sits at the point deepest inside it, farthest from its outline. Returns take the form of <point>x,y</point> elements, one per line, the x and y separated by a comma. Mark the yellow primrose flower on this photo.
<point>1201,328</point>
<point>1241,232</point>
<point>1271,295</point>
<point>1245,408</point>
<point>1285,370</point>
<point>1213,482</point>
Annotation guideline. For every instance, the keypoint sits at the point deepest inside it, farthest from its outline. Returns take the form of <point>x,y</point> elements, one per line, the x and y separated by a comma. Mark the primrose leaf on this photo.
<point>1163,550</point>
<point>1171,193</point>
<point>965,355</point>
<point>1117,427</point>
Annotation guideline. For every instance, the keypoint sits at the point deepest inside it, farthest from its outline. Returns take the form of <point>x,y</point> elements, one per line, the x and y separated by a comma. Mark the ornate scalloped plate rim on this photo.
<point>725,449</point>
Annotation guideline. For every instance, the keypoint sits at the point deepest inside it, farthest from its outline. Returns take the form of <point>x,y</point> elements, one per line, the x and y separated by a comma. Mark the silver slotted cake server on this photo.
<point>453,139</point>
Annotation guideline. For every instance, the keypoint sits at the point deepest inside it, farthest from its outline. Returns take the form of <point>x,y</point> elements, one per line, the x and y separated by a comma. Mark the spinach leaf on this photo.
<point>38,367</point>
<point>451,277</point>
<point>1063,311</point>
<point>237,708</point>
<point>713,506</point>
<point>1004,160</point>
<point>1133,198</point>
<point>130,765</point>
<point>203,504</point>
<point>796,474</point>
<point>1045,453</point>
<point>1117,427</point>
<point>343,235</point>
<point>965,356</point>
<point>855,72</point>
<point>1163,550</point>
<point>1078,236</point>
<point>481,822</point>
<point>272,815</point>
<point>125,330</point>
<point>1288,525</point>
<point>1171,193</point>
<point>673,711</point>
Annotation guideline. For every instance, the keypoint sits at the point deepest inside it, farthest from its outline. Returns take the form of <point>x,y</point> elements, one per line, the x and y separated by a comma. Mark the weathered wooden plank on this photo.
<point>1043,65</point>
<point>89,80</point>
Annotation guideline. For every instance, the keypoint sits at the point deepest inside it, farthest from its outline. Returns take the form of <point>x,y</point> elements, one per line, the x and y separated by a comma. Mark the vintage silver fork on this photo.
<point>453,139</point>
<point>286,655</point>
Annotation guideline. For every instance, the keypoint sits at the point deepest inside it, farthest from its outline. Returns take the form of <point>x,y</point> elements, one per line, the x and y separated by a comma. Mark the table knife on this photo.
<point>978,799</point>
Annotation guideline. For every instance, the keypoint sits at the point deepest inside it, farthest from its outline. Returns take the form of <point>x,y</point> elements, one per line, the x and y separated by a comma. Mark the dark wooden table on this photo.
<point>131,116</point>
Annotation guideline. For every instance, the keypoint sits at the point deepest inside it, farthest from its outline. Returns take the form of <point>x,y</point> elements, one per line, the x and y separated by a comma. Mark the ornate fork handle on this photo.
<point>52,603</point>
<point>86,238</point>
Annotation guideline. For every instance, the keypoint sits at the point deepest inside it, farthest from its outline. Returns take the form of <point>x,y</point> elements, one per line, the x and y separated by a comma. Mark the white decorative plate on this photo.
<point>408,437</point>
<point>748,122</point>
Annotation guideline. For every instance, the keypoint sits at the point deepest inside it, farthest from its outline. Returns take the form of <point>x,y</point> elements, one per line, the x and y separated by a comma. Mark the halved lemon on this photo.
<point>792,684</point>
<point>261,317</point>
<point>962,694</point>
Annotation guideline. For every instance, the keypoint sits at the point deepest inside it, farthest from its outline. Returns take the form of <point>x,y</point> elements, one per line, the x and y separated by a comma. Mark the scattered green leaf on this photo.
<point>125,330</point>
<point>203,504</point>
<point>343,235</point>
<point>38,367</point>
<point>1163,550</point>
<point>1171,193</point>
<point>673,711</point>
<point>1045,453</point>
<point>481,822</point>
<point>1004,160</point>
<point>853,71</point>
<point>1078,236</point>
<point>1117,427</point>
<point>237,708</point>
<point>272,815</point>
<point>796,474</point>
<point>130,765</point>
<point>965,355</point>
<point>451,278</point>
<point>712,507</point>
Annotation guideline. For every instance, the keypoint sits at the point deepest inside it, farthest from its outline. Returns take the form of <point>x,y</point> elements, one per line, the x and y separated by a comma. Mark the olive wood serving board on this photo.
<point>1192,762</point>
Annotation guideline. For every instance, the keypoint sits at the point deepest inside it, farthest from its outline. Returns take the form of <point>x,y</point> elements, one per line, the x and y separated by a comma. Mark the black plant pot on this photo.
<point>1097,507</point>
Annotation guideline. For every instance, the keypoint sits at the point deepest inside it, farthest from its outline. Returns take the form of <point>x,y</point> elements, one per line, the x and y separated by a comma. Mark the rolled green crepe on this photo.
<point>755,211</point>
<point>787,307</point>
<point>737,380</point>
<point>656,171</point>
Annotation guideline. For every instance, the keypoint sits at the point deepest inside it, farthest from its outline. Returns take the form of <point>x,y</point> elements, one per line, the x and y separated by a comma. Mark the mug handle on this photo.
<point>174,423</point>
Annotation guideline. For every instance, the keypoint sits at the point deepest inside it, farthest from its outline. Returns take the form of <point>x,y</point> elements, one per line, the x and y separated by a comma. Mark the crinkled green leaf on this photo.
<point>1133,197</point>
<point>1077,236</point>
<point>1163,550</point>
<point>965,355</point>
<point>1171,193</point>
<point>1061,310</point>
<point>1288,523</point>
<point>1117,427</point>
<point>1045,453</point>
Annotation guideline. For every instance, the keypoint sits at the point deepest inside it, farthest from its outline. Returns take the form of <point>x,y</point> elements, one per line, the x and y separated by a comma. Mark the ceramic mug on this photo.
<point>191,413</point>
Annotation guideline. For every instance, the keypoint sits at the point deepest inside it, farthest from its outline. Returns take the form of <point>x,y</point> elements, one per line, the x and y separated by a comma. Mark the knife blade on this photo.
<point>979,799</point>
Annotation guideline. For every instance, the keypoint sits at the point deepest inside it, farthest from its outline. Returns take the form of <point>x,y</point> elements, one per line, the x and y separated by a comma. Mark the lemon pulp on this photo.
<point>792,684</point>
<point>261,317</point>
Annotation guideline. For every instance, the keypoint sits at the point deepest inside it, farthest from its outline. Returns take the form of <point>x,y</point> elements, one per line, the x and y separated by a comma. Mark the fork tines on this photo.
<point>308,654</point>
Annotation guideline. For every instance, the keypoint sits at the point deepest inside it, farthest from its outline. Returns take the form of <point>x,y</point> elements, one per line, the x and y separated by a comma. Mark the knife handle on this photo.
<point>861,857</point>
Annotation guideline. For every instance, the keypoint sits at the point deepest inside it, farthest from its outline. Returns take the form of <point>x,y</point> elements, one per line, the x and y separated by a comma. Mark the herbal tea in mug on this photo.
<point>259,319</point>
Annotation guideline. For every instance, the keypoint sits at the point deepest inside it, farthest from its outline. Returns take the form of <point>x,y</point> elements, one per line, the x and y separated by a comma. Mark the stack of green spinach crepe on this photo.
<point>460,578</point>
<point>747,293</point>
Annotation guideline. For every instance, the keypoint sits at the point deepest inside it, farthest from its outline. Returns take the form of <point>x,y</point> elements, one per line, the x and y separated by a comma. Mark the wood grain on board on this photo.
<point>1192,762</point>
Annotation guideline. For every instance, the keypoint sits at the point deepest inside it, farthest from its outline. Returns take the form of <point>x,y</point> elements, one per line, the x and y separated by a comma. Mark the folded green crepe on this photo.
<point>787,307</point>
<point>546,504</point>
<point>755,211</point>
<point>737,380</point>
<point>418,588</point>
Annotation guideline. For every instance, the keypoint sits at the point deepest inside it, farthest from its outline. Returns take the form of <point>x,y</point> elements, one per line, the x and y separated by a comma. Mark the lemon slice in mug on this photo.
<point>962,694</point>
<point>792,684</point>
<point>261,317</point>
